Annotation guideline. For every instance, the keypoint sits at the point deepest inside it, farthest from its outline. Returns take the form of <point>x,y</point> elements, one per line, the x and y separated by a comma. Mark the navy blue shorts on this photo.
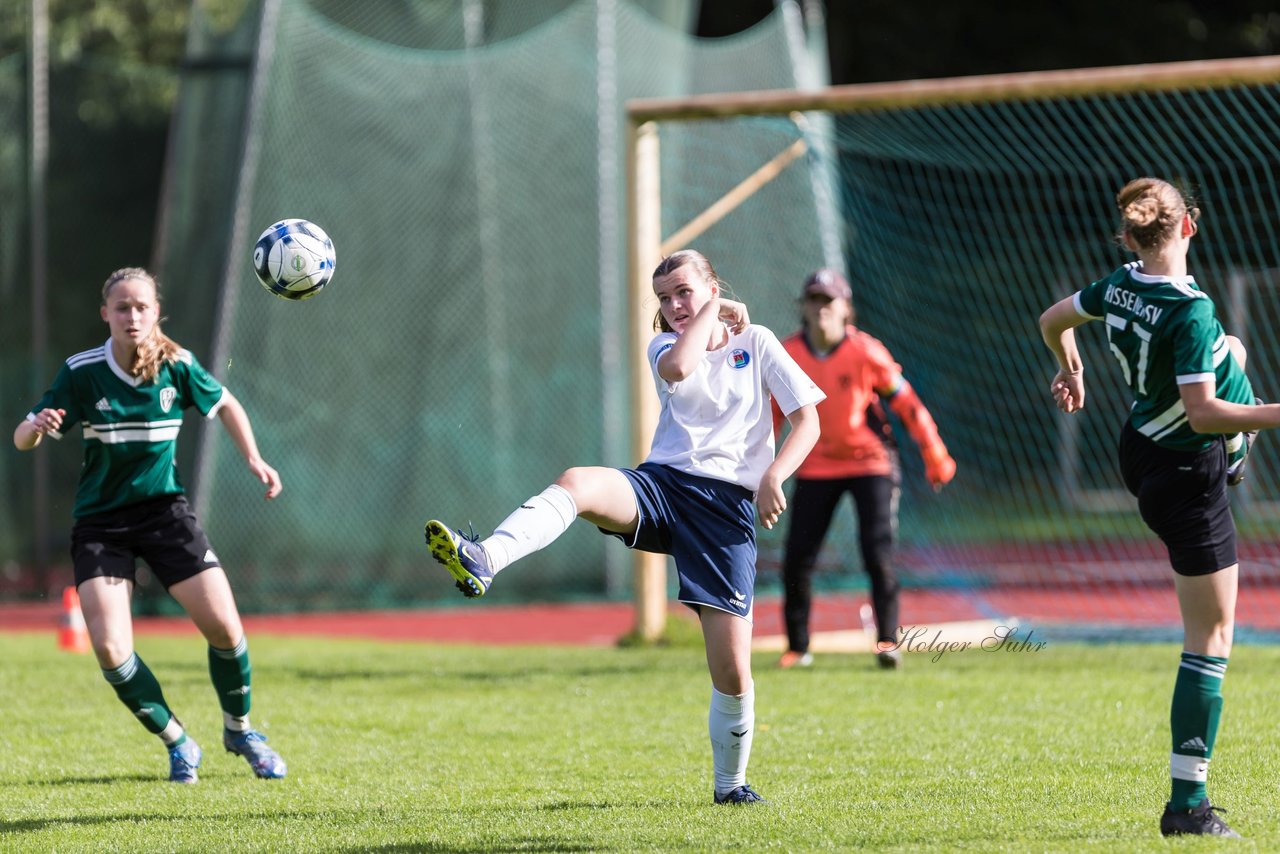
<point>707,525</point>
<point>1182,496</point>
<point>162,531</point>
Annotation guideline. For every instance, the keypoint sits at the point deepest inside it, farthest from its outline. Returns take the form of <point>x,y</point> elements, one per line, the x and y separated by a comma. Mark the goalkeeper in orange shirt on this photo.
<point>855,454</point>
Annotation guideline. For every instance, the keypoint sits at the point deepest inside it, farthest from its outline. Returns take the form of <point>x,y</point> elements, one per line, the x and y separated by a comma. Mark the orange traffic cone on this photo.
<point>73,636</point>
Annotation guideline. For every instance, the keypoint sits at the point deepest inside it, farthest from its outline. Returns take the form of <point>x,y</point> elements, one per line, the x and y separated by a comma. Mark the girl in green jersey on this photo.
<point>1185,439</point>
<point>128,395</point>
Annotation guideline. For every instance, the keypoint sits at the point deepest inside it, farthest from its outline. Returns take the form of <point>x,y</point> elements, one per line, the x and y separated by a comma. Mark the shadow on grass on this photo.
<point>489,676</point>
<point>513,845</point>
<point>559,806</point>
<point>28,825</point>
<point>101,780</point>
<point>308,675</point>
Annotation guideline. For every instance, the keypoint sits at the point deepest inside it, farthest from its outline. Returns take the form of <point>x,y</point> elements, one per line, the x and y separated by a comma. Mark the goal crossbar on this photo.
<point>1198,74</point>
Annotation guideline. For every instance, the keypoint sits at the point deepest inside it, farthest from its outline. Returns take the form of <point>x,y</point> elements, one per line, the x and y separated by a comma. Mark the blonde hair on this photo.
<point>157,348</point>
<point>673,262</point>
<point>1151,211</point>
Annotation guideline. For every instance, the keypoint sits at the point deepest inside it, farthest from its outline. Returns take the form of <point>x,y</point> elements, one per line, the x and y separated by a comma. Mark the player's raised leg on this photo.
<point>602,496</point>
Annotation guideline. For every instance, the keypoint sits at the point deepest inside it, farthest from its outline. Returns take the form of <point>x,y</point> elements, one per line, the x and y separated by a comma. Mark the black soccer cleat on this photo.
<point>1200,821</point>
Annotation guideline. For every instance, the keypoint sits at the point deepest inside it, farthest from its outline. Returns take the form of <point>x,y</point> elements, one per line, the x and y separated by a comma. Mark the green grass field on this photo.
<point>403,747</point>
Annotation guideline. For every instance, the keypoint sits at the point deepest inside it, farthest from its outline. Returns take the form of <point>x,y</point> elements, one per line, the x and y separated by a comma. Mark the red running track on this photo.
<point>1141,606</point>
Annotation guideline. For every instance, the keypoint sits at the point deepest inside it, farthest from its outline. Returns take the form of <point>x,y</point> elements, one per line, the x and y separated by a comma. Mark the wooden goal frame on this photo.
<point>646,245</point>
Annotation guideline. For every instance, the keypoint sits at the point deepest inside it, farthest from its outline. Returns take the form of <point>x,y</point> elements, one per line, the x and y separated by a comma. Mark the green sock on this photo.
<point>229,669</point>
<point>138,688</point>
<point>1193,720</point>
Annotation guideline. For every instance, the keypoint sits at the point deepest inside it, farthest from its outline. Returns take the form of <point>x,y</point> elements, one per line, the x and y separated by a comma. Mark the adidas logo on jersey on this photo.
<point>103,405</point>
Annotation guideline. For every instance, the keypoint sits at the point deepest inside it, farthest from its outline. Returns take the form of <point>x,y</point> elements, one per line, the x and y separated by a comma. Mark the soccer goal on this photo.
<point>961,208</point>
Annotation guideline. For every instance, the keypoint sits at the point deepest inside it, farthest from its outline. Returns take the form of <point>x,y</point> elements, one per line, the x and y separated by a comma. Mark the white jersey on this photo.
<point>717,421</point>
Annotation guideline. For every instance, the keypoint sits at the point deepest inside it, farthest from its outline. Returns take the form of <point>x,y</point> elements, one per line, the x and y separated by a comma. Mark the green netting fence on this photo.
<point>472,343</point>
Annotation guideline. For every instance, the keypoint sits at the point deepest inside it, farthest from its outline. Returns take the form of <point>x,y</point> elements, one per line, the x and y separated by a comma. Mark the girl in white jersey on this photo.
<point>128,396</point>
<point>1191,401</point>
<point>712,455</point>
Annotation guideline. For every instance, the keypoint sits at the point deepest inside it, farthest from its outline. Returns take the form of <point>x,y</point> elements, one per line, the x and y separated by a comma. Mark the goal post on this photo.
<point>940,182</point>
<point>644,251</point>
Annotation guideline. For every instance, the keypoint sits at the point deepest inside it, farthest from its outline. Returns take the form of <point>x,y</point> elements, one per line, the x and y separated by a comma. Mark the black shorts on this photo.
<point>162,531</point>
<point>1182,496</point>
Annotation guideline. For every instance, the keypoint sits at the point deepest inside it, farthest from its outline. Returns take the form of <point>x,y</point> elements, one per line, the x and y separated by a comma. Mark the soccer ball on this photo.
<point>294,259</point>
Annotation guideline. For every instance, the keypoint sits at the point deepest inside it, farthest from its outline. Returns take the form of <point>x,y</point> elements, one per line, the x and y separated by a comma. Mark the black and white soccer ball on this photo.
<point>294,259</point>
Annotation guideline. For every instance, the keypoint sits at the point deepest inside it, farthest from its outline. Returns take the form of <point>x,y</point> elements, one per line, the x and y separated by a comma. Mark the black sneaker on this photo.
<point>740,795</point>
<point>1235,468</point>
<point>889,659</point>
<point>1202,820</point>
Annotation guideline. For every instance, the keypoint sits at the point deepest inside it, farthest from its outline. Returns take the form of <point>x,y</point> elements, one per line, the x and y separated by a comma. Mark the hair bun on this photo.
<point>1142,212</point>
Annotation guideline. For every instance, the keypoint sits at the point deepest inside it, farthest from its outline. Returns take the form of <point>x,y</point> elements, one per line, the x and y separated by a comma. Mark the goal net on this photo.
<point>961,209</point>
<point>466,158</point>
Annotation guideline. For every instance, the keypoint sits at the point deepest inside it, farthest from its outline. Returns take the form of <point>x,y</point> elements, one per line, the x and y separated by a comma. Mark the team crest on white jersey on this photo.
<point>167,396</point>
<point>103,405</point>
<point>739,359</point>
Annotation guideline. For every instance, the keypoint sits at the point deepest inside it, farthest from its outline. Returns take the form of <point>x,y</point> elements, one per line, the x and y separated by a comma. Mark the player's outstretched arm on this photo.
<point>236,421</point>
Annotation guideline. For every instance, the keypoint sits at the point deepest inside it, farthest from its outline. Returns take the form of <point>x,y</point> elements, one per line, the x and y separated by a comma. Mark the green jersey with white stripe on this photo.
<point>1165,333</point>
<point>130,426</point>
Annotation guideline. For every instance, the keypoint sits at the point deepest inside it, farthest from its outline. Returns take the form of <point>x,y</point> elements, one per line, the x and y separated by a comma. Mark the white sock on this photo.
<point>534,525</point>
<point>172,732</point>
<point>731,723</point>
